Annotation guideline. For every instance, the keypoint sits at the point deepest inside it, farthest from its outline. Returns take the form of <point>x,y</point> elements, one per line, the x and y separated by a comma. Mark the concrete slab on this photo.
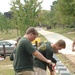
<point>59,64</point>
<point>65,73</point>
<point>62,68</point>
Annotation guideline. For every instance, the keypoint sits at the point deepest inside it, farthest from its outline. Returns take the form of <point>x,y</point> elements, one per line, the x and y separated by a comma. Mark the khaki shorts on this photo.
<point>25,73</point>
<point>39,71</point>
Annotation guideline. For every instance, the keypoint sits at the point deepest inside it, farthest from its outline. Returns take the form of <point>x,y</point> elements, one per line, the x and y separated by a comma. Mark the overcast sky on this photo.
<point>5,5</point>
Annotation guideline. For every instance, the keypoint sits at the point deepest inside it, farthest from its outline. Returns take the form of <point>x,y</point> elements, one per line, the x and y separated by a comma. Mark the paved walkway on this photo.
<point>53,37</point>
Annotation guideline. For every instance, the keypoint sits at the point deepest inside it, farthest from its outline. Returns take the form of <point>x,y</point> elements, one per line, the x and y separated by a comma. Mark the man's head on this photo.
<point>31,33</point>
<point>60,44</point>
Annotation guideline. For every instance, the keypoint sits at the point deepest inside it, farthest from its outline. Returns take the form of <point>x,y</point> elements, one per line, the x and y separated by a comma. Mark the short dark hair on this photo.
<point>32,30</point>
<point>61,43</point>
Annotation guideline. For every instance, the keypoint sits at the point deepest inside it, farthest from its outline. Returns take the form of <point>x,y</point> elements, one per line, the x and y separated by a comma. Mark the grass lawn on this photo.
<point>6,67</point>
<point>8,35</point>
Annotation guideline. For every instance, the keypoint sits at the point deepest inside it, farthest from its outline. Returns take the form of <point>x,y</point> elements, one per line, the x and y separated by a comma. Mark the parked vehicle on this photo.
<point>8,45</point>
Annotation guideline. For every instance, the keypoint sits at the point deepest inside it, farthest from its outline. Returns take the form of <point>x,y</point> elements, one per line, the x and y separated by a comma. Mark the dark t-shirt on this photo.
<point>23,55</point>
<point>47,51</point>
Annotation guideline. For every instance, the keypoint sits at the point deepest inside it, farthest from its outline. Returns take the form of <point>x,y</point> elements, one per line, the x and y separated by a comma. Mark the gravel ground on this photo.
<point>69,61</point>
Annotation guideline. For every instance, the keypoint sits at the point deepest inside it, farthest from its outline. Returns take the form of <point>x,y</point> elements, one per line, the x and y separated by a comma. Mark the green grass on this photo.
<point>8,35</point>
<point>6,67</point>
<point>70,35</point>
<point>7,72</point>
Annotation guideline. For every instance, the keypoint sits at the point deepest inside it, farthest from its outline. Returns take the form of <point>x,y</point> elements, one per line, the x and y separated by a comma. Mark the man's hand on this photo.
<point>49,61</point>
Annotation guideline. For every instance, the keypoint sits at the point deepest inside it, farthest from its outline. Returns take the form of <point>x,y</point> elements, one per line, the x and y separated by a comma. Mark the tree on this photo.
<point>25,15</point>
<point>66,10</point>
<point>3,23</point>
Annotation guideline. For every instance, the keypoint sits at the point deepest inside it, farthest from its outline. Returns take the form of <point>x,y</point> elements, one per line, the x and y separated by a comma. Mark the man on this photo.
<point>47,50</point>
<point>23,63</point>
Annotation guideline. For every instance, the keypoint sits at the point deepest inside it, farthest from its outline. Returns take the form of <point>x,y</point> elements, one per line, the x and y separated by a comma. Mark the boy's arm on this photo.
<point>38,55</point>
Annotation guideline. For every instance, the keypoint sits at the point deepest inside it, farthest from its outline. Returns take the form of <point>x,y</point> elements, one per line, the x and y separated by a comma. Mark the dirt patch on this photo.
<point>70,57</point>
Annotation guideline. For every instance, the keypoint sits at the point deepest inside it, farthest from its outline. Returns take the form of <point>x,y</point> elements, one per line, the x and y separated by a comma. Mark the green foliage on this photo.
<point>3,23</point>
<point>30,13</point>
<point>25,15</point>
<point>63,12</point>
<point>53,17</point>
<point>45,17</point>
<point>65,7</point>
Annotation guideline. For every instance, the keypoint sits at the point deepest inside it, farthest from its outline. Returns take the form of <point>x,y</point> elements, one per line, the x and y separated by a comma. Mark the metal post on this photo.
<point>4,51</point>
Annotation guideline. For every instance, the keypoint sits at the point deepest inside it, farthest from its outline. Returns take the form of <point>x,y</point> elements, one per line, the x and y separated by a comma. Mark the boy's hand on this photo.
<point>53,66</point>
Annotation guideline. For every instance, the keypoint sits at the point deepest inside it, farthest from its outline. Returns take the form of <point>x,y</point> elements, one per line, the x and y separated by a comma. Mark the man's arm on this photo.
<point>38,55</point>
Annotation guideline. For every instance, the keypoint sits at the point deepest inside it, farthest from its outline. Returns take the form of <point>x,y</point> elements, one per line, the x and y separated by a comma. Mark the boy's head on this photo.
<point>60,44</point>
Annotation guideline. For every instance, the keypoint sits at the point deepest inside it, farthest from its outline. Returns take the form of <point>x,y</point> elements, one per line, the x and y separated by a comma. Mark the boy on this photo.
<point>47,49</point>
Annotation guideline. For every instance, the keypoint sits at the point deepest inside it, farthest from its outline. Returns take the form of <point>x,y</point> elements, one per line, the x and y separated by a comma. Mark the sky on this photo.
<point>5,5</point>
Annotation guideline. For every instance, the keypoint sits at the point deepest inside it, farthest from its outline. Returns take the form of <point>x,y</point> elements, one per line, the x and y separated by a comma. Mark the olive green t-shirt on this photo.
<point>47,51</point>
<point>23,55</point>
